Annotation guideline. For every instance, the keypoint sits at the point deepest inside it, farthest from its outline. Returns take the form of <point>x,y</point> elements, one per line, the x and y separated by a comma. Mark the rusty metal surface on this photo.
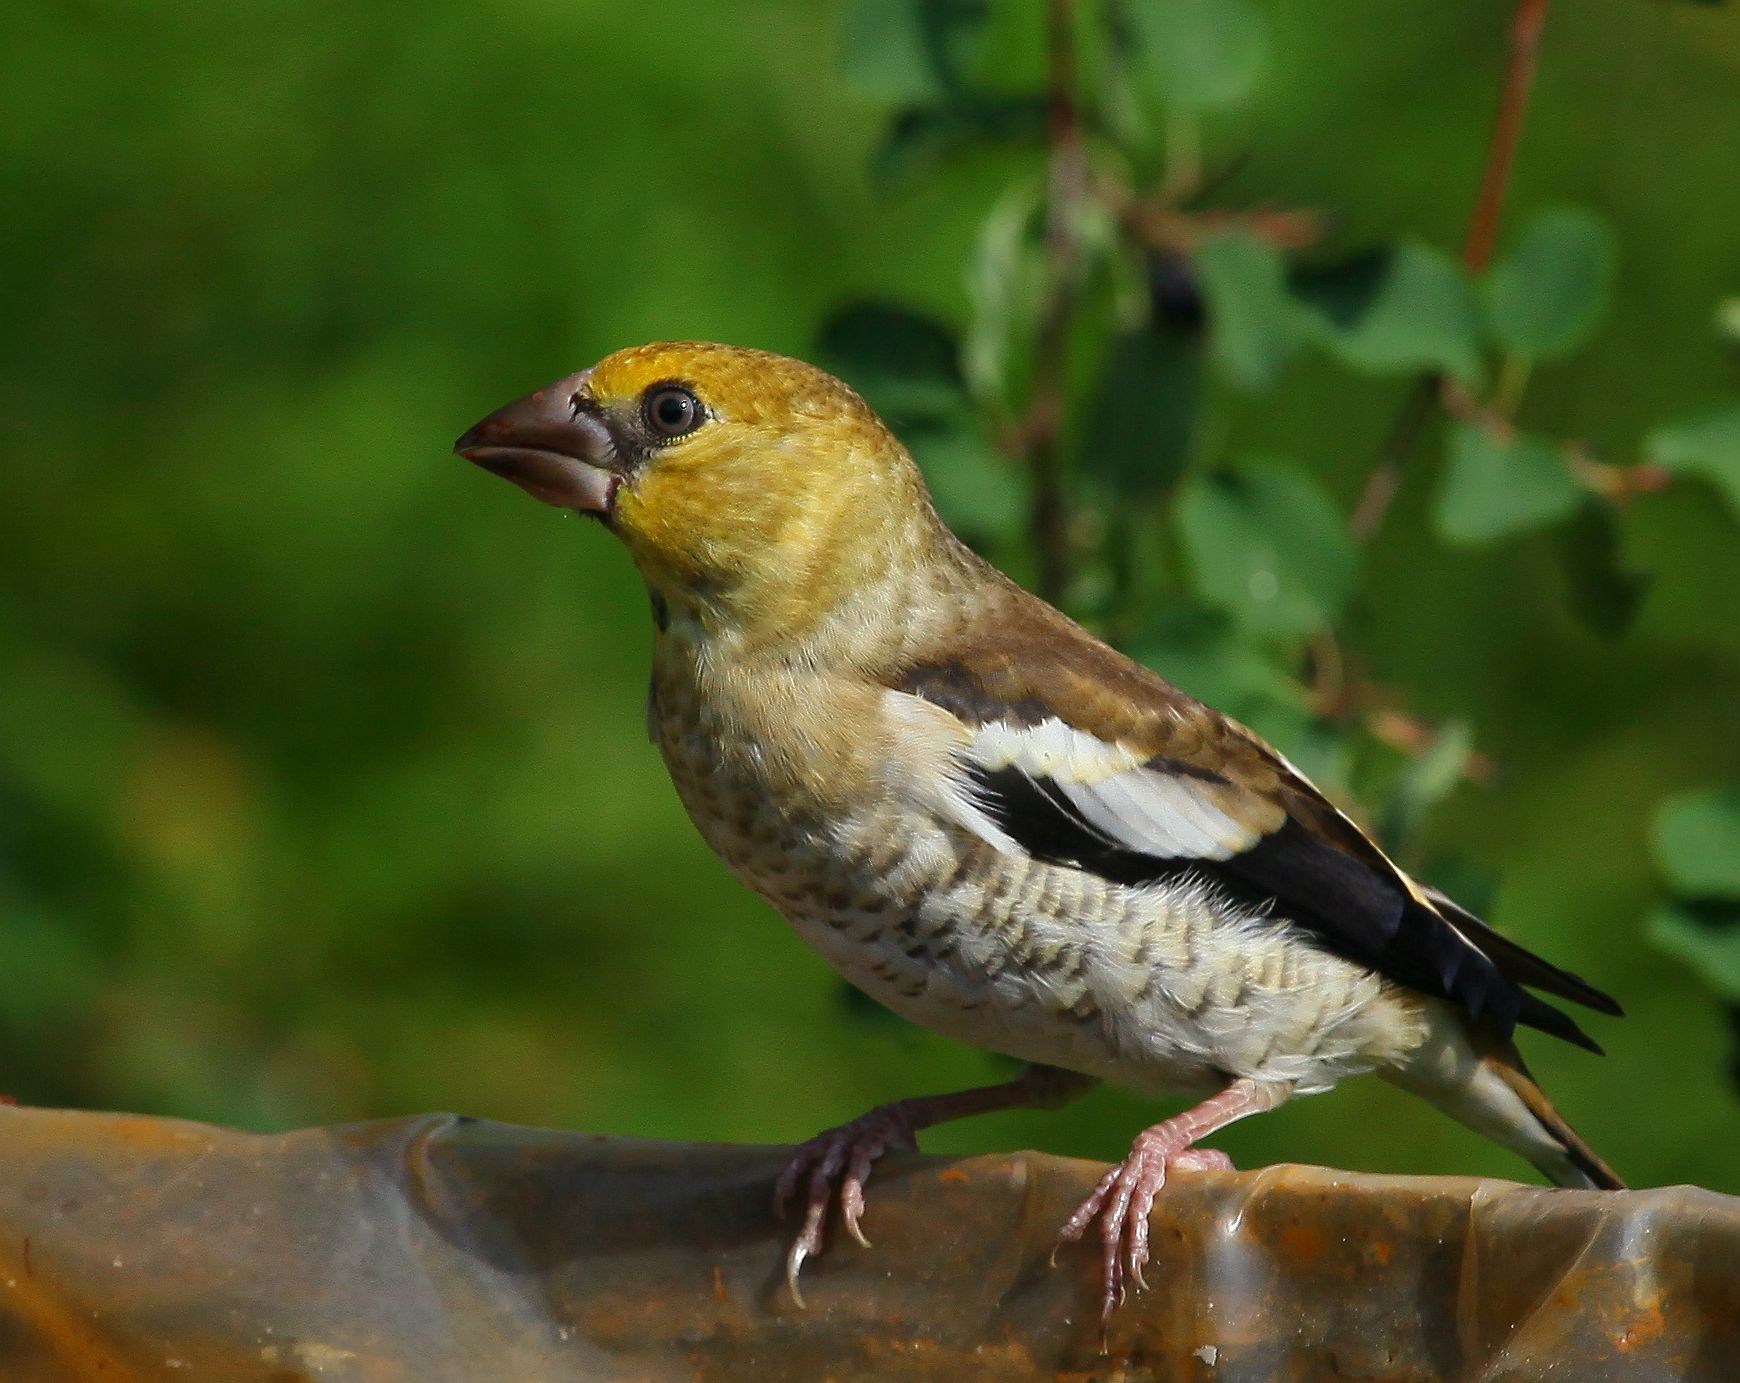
<point>436,1248</point>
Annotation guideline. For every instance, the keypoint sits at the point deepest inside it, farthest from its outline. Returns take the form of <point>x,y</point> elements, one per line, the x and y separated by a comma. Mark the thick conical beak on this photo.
<point>553,445</point>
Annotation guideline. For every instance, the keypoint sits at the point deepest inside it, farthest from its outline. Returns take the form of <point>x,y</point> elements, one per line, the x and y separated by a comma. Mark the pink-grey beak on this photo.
<point>553,445</point>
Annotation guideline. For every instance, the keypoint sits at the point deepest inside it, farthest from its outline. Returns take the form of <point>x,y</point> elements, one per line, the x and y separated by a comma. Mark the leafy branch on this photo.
<point>1122,303</point>
<point>1477,249</point>
<point>1067,187</point>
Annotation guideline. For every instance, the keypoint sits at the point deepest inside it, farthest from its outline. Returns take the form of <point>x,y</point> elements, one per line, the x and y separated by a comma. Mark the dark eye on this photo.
<point>672,411</point>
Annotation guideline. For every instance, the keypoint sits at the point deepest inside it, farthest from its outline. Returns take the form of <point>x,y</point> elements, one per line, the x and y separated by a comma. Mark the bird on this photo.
<point>997,825</point>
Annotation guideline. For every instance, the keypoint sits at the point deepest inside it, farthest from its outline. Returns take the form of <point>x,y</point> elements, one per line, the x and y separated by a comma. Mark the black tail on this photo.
<point>1524,967</point>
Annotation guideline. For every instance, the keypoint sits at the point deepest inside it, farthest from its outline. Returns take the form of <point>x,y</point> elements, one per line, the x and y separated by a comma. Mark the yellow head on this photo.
<point>752,490</point>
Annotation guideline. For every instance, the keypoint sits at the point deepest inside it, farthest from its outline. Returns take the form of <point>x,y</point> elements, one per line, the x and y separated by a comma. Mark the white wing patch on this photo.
<point>928,768</point>
<point>1051,750</point>
<point>1146,810</point>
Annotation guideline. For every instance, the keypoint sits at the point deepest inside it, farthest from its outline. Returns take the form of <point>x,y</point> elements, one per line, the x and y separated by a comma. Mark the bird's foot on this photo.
<point>841,1156</point>
<point>1123,1200</point>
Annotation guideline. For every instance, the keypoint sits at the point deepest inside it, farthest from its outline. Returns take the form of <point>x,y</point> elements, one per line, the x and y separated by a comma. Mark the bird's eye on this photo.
<point>672,411</point>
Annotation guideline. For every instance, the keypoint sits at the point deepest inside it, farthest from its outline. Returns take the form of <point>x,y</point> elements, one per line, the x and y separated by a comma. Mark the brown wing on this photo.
<point>1082,756</point>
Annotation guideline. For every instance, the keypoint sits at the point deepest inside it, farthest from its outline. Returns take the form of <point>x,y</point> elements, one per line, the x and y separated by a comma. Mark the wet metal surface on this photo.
<point>436,1248</point>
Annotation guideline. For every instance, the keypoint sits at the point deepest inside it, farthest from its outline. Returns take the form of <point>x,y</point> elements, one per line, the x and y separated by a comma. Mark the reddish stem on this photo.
<point>1513,103</point>
<point>1067,185</point>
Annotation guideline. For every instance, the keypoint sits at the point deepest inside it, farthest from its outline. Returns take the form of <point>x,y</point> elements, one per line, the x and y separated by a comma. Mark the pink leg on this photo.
<point>851,1148</point>
<point>1125,1195</point>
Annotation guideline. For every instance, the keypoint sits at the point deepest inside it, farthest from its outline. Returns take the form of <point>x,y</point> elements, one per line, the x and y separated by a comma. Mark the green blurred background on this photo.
<point>324,785</point>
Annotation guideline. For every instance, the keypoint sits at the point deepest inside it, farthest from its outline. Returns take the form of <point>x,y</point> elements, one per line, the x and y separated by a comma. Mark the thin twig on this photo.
<point>1414,737</point>
<point>1404,434</point>
<point>1513,104</point>
<point>1067,185</point>
<point>1618,485</point>
<point>1386,476</point>
<point>1163,225</point>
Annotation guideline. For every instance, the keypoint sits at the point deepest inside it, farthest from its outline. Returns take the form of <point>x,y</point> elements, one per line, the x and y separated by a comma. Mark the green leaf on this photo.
<point>1604,592</point>
<point>1138,430</point>
<point>1343,290</point>
<point>910,50</point>
<point>1710,945</point>
<point>1428,778</point>
<point>1005,282</point>
<point>1255,325</point>
<point>957,69</point>
<point>1695,839</point>
<point>921,137</point>
<point>1549,289</point>
<point>1267,545</point>
<point>1495,487</point>
<point>905,363</point>
<point>1198,54</point>
<point>1707,446</point>
<point>1420,315</point>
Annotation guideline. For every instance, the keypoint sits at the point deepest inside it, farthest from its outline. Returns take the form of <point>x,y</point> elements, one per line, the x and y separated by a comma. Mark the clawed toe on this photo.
<point>840,1158</point>
<point>806,1243</point>
<point>1121,1204</point>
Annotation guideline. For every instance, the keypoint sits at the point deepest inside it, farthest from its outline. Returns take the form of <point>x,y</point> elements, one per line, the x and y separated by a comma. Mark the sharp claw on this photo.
<point>1107,1305</point>
<point>852,1189</point>
<point>851,1208</point>
<point>835,1164</point>
<point>808,1242</point>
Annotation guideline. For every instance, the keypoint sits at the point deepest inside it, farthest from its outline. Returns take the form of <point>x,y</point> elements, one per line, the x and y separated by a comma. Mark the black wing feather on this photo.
<point>1339,900</point>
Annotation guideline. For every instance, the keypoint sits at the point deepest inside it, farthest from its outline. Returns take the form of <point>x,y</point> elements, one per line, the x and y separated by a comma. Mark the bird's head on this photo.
<point>753,491</point>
